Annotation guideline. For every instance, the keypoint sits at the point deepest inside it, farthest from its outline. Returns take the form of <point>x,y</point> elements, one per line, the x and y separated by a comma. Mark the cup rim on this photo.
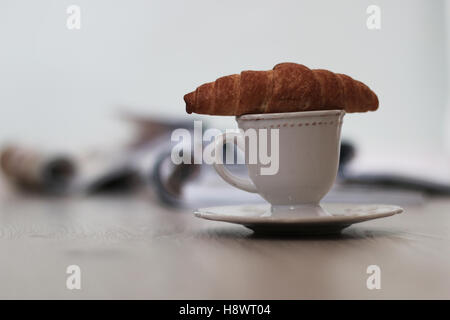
<point>289,115</point>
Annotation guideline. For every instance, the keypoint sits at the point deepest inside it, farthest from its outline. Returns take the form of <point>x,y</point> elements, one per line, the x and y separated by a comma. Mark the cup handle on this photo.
<point>238,182</point>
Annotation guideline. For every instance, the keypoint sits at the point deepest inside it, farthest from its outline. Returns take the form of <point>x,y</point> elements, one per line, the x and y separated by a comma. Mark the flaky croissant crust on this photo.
<point>289,87</point>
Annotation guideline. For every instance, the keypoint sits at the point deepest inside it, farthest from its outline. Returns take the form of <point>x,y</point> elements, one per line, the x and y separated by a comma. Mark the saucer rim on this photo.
<point>334,219</point>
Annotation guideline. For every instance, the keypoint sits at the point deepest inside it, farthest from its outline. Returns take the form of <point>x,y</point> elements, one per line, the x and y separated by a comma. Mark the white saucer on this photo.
<point>259,217</point>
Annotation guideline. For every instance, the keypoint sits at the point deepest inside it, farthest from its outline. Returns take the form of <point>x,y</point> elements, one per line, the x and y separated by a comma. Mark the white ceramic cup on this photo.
<point>309,144</point>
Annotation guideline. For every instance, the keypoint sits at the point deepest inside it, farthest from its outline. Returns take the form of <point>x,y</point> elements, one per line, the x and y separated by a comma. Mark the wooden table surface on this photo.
<point>128,247</point>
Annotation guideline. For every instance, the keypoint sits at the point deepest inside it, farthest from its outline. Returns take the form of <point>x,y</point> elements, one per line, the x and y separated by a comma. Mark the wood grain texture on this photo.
<point>131,248</point>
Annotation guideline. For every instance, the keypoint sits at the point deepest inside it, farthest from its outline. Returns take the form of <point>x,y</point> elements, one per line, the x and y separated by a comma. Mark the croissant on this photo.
<point>289,87</point>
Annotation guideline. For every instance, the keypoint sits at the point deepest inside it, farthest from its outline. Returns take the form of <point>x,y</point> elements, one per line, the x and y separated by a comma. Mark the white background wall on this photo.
<point>62,87</point>
<point>447,35</point>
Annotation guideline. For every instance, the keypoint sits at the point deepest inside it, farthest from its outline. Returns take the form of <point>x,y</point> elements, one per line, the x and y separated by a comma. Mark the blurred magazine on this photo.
<point>205,188</point>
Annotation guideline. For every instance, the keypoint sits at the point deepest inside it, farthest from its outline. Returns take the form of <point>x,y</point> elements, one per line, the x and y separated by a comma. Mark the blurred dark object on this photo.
<point>346,155</point>
<point>169,179</point>
<point>386,181</point>
<point>126,179</point>
<point>35,171</point>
